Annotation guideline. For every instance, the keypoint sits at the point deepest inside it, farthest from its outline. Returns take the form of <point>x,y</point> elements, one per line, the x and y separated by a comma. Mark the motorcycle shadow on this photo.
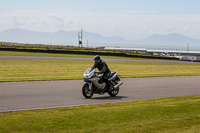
<point>109,98</point>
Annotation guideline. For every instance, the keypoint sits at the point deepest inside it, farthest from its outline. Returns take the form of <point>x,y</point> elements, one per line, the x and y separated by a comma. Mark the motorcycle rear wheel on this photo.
<point>87,93</point>
<point>114,92</point>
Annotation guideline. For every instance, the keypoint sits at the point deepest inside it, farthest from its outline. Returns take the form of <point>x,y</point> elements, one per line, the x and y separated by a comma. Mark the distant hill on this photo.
<point>169,41</point>
<point>59,37</point>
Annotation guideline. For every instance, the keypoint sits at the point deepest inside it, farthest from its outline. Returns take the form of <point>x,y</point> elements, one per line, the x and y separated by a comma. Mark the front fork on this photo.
<point>90,85</point>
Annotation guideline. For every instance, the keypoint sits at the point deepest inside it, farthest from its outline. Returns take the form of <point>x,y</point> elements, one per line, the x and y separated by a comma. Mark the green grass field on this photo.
<point>28,70</point>
<point>169,115</point>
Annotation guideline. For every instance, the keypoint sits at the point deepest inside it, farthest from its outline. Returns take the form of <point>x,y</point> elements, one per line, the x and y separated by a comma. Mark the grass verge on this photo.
<point>171,115</point>
<point>29,70</point>
<point>67,49</point>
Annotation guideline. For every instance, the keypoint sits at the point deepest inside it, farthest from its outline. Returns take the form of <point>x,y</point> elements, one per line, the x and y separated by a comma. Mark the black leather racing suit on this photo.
<point>103,68</point>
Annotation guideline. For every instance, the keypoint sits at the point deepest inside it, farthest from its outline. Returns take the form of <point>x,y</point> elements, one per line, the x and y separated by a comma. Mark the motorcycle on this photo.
<point>95,85</point>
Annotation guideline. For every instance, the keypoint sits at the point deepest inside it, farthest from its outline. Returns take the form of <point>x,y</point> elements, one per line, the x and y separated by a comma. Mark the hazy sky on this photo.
<point>130,19</point>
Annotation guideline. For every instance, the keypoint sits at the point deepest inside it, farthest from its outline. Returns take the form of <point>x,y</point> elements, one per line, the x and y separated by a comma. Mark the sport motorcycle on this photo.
<point>95,85</point>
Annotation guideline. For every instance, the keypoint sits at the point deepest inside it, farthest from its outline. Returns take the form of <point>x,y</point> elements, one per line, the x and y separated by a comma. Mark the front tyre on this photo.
<point>87,93</point>
<point>114,92</point>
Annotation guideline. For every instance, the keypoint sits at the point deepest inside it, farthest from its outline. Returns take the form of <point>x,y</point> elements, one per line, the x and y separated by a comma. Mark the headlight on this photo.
<point>85,76</point>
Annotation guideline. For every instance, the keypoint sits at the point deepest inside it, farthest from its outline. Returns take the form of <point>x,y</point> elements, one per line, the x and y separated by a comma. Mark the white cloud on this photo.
<point>129,25</point>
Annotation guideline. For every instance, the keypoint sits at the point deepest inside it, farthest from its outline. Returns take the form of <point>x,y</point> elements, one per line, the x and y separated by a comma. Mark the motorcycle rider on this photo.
<point>103,69</point>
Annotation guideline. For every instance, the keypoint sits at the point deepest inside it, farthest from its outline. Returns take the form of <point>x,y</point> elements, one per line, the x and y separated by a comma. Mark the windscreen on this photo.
<point>88,70</point>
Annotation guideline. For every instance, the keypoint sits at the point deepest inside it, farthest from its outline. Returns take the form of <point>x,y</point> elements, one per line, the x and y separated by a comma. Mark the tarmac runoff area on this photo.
<point>17,96</point>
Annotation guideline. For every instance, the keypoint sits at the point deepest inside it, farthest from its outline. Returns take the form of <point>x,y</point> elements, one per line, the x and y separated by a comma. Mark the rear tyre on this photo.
<point>114,92</point>
<point>87,93</point>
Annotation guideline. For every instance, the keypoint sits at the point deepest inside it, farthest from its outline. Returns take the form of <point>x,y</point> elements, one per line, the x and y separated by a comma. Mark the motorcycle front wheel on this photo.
<point>87,93</point>
<point>114,92</point>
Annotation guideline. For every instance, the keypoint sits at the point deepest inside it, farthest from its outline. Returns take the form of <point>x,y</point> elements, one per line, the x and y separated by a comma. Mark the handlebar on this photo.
<point>98,75</point>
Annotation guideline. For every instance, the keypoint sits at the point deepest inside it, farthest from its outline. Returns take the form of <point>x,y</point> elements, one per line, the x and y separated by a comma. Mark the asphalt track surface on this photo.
<point>16,96</point>
<point>78,58</point>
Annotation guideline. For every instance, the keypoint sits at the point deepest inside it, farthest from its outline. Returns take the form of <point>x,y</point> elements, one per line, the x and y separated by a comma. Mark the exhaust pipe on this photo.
<point>117,85</point>
<point>113,76</point>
